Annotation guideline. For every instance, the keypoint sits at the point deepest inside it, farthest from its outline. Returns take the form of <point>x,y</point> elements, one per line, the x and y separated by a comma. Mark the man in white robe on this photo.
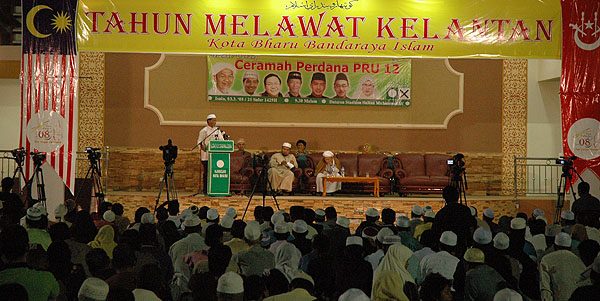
<point>209,133</point>
<point>328,167</point>
<point>280,173</point>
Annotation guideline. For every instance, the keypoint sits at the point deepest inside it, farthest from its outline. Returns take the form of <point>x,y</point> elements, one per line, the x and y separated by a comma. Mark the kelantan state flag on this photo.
<point>49,81</point>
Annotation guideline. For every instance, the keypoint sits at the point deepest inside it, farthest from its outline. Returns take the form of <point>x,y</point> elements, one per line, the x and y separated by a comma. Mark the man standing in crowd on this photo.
<point>280,173</point>
<point>250,82</point>
<point>454,217</point>
<point>341,86</point>
<point>223,75</point>
<point>317,85</point>
<point>294,83</point>
<point>209,133</point>
<point>586,207</point>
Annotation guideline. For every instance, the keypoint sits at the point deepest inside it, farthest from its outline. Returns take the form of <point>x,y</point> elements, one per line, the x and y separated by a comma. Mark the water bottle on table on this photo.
<point>343,172</point>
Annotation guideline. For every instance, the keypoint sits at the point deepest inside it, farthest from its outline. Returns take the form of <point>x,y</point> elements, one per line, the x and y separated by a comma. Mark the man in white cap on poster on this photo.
<point>329,166</point>
<point>223,75</point>
<point>280,173</point>
<point>250,82</point>
<point>210,132</point>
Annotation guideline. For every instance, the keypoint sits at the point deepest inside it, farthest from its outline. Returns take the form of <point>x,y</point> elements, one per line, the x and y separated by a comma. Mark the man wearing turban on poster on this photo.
<point>223,75</point>
<point>280,173</point>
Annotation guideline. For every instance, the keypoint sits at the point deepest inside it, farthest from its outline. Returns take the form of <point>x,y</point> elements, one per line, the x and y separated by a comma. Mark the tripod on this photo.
<point>262,179</point>
<point>95,173</point>
<point>458,179</point>
<point>169,185</point>
<point>566,177</point>
<point>39,178</point>
<point>18,156</point>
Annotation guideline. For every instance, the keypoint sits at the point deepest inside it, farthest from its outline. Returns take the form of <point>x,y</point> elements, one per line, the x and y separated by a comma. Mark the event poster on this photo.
<point>309,80</point>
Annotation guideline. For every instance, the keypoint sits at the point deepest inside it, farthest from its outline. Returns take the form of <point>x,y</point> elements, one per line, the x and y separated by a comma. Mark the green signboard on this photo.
<point>218,167</point>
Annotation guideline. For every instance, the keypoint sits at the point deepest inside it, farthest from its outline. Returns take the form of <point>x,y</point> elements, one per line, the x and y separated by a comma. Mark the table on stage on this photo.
<point>373,180</point>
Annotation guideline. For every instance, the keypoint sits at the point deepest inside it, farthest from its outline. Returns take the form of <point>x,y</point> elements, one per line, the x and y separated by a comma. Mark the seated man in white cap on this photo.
<point>223,75</point>
<point>254,260</point>
<point>193,242</point>
<point>372,216</point>
<point>230,286</point>
<point>443,262</point>
<point>93,289</point>
<point>209,133</point>
<point>250,82</point>
<point>416,218</point>
<point>567,220</point>
<point>241,147</point>
<point>280,173</point>
<point>329,166</point>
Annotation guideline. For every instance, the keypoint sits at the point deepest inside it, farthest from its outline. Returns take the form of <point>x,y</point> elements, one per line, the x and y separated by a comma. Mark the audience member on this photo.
<point>105,240</point>
<point>93,289</point>
<point>481,281</point>
<point>587,207</point>
<point>301,289</point>
<point>255,259</point>
<point>454,217</point>
<point>230,287</point>
<point>435,288</point>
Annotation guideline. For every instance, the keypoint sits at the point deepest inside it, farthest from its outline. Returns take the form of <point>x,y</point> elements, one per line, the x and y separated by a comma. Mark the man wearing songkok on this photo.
<point>481,281</point>
<point>294,83</point>
<point>587,207</point>
<point>567,220</point>
<point>416,214</point>
<point>193,242</point>
<point>329,166</point>
<point>443,262</point>
<point>254,260</point>
<point>301,289</point>
<point>560,271</point>
<point>372,216</point>
<point>230,286</point>
<point>223,75</point>
<point>208,133</point>
<point>341,86</point>
<point>93,289</point>
<point>250,82</point>
<point>280,173</point>
<point>317,85</point>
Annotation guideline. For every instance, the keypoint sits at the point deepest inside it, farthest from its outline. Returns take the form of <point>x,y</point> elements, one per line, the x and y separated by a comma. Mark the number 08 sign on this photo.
<point>584,138</point>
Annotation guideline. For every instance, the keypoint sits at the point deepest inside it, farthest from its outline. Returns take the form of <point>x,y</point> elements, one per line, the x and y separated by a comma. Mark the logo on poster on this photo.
<point>584,29</point>
<point>584,138</point>
<point>45,131</point>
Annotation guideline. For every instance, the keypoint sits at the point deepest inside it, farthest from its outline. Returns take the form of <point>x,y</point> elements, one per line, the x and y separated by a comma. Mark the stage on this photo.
<point>351,206</point>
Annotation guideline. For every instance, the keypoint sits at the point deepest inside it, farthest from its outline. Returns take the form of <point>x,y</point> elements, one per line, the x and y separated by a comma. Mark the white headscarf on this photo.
<point>358,94</point>
<point>395,260</point>
<point>287,259</point>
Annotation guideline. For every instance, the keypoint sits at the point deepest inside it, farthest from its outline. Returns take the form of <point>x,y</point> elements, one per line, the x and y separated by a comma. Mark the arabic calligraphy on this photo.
<point>321,5</point>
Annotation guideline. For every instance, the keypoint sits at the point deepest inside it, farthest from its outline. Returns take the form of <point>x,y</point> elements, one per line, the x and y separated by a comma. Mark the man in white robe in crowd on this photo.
<point>280,173</point>
<point>329,166</point>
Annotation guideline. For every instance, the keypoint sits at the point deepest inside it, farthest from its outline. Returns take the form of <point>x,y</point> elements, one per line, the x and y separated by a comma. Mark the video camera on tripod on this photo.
<point>566,162</point>
<point>19,155</point>
<point>93,154</point>
<point>38,158</point>
<point>169,153</point>
<point>457,165</point>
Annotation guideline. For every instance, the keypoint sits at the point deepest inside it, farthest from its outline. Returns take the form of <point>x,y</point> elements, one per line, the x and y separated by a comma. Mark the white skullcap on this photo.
<point>383,233</point>
<point>474,255</point>
<point>286,144</point>
<point>328,154</point>
<point>231,212</point>
<point>343,221</point>
<point>226,222</point>
<point>230,283</point>
<point>277,217</point>
<point>41,207</point>
<point>552,230</point>
<point>403,222</point>
<point>538,212</point>
<point>507,294</point>
<point>473,210</point>
<point>34,214</point>
<point>281,228</point>
<point>482,236</point>
<point>320,212</point>
<point>562,239</point>
<point>109,216</point>
<point>429,214</point>
<point>354,240</point>
<point>185,213</point>
<point>354,294</point>
<point>301,275</point>
<point>212,214</point>
<point>60,211</point>
<point>501,241</point>
<point>417,210</point>
<point>517,223</point>
<point>218,67</point>
<point>392,240</point>
<point>252,231</point>
<point>488,212</point>
<point>93,288</point>
<point>372,212</point>
<point>241,140</point>
<point>300,226</point>
<point>211,116</point>
<point>148,218</point>
<point>191,221</point>
<point>449,238</point>
<point>568,215</point>
<point>250,74</point>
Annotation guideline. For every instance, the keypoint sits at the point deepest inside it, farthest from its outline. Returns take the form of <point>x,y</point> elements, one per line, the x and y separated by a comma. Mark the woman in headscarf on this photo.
<point>395,260</point>
<point>105,240</point>
<point>287,259</point>
<point>389,286</point>
<point>367,89</point>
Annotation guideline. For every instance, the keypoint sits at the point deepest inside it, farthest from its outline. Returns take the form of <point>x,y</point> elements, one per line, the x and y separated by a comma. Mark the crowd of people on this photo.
<point>201,254</point>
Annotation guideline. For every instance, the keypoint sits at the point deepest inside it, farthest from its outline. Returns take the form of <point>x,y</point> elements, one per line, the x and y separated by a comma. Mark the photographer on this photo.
<point>587,207</point>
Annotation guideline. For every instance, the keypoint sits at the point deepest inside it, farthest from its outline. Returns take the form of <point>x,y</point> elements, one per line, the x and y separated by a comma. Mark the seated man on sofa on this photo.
<point>329,166</point>
<point>280,173</point>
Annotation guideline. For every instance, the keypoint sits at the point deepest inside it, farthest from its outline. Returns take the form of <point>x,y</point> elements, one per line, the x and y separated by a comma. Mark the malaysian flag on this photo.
<point>49,81</point>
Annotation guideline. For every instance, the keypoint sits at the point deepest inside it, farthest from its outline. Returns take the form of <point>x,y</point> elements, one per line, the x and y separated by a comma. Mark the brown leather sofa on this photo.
<point>418,173</point>
<point>355,165</point>
<point>240,172</point>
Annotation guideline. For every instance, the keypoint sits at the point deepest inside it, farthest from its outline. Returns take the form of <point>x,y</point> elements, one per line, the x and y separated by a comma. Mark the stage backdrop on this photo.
<point>433,28</point>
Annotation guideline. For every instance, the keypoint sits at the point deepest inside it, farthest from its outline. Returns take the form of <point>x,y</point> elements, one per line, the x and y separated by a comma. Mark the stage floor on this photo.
<point>351,206</point>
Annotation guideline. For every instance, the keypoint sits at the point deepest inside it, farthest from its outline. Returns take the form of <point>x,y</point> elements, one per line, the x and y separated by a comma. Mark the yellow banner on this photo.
<point>416,28</point>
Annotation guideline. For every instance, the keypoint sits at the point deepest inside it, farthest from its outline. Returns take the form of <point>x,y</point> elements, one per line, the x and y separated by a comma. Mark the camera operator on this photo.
<point>210,132</point>
<point>587,207</point>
